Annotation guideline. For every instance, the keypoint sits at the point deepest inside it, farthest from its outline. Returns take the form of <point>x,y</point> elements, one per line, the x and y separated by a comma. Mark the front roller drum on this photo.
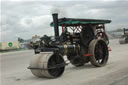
<point>47,64</point>
<point>122,41</point>
<point>99,52</point>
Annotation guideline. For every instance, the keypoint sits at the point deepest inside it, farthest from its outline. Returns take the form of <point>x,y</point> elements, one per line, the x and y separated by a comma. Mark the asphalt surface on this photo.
<point>13,70</point>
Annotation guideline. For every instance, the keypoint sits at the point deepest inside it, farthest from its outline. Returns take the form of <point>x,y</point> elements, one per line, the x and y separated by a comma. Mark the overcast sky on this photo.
<point>24,18</point>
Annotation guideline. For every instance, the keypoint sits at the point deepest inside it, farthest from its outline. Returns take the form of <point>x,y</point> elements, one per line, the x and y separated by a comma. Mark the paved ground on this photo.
<point>14,70</point>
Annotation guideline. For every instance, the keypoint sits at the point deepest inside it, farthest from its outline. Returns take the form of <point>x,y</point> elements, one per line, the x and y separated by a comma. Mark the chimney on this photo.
<point>56,27</point>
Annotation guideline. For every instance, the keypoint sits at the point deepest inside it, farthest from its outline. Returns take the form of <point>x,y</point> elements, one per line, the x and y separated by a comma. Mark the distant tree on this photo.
<point>20,39</point>
<point>119,29</point>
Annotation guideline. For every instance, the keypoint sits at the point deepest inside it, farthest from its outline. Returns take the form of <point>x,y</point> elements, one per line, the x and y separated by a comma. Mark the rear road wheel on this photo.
<point>99,52</point>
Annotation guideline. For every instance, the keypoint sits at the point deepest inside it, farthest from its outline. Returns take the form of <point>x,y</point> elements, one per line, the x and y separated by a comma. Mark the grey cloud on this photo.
<point>27,18</point>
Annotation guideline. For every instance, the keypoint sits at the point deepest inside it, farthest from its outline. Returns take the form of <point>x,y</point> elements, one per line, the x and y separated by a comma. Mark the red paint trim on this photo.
<point>88,55</point>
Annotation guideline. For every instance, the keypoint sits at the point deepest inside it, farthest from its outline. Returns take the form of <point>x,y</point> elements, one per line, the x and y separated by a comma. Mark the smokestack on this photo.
<point>56,27</point>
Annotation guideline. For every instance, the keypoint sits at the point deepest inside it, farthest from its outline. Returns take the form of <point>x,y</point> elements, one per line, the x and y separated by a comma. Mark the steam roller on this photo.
<point>122,41</point>
<point>124,37</point>
<point>81,41</point>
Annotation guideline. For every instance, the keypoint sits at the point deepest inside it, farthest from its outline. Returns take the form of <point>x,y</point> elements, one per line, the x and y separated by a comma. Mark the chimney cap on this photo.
<point>54,13</point>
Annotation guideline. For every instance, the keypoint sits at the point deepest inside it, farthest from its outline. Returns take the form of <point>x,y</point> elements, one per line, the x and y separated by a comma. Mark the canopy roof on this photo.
<point>75,21</point>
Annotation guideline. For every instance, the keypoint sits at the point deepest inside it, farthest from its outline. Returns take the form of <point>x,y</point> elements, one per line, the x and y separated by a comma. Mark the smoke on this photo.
<point>55,10</point>
<point>61,11</point>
